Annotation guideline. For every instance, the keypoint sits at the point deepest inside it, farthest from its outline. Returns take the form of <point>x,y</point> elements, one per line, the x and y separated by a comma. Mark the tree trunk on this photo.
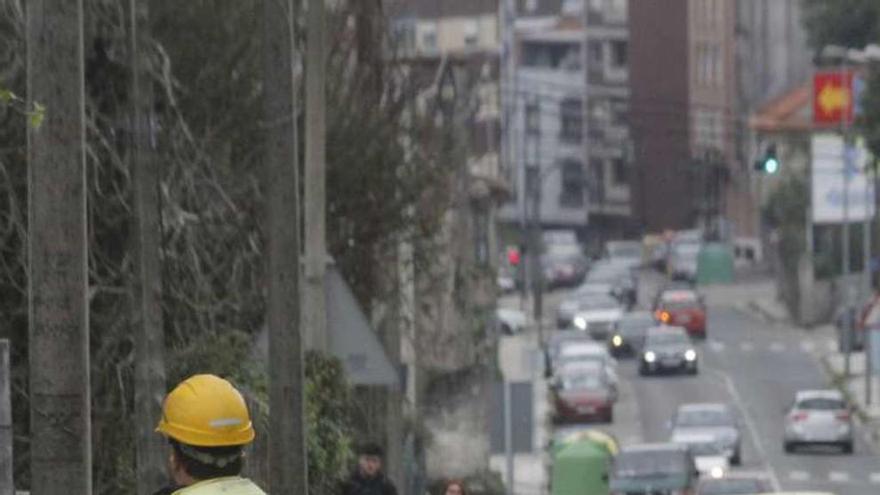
<point>7,487</point>
<point>315,182</point>
<point>287,446</point>
<point>149,386</point>
<point>58,271</point>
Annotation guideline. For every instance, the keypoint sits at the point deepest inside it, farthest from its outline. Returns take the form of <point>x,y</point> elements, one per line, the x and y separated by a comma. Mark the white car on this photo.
<point>511,321</point>
<point>708,455</point>
<point>598,320</point>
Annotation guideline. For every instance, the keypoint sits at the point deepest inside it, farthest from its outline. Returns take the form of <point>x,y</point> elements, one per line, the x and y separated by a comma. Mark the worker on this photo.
<point>206,421</point>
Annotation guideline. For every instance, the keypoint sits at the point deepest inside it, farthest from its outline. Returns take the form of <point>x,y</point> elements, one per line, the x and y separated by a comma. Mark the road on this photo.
<point>758,367</point>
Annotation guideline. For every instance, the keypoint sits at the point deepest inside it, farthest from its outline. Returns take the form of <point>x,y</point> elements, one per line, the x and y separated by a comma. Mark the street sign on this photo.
<point>830,160</point>
<point>833,101</point>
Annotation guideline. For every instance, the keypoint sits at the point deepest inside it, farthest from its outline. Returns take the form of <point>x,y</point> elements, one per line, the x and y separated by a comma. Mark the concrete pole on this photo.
<point>315,310</point>
<point>287,435</point>
<point>58,308</point>
<point>509,477</point>
<point>866,269</point>
<point>149,375</point>
<point>6,484</point>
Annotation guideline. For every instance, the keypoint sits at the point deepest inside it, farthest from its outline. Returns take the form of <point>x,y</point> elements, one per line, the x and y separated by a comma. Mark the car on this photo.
<point>683,260</point>
<point>818,417</point>
<point>710,460</point>
<point>668,349</point>
<point>628,336</point>
<point>569,306</point>
<point>683,308</point>
<point>663,468</point>
<point>717,421</point>
<point>583,394</point>
<point>563,265</point>
<point>554,344</point>
<point>598,316</point>
<point>511,321</point>
<point>572,354</point>
<point>624,252</point>
<point>620,276</point>
<point>733,484</point>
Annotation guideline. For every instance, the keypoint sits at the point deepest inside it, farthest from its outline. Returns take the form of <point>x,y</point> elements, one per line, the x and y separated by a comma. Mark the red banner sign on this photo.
<point>833,101</point>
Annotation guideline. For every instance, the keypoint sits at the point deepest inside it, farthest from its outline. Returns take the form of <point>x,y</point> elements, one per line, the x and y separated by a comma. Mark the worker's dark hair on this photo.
<point>205,463</point>
<point>371,449</point>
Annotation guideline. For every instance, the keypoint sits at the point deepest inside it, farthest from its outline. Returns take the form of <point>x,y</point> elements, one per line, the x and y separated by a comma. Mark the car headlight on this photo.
<point>690,355</point>
<point>617,341</point>
<point>580,322</point>
<point>650,357</point>
<point>716,472</point>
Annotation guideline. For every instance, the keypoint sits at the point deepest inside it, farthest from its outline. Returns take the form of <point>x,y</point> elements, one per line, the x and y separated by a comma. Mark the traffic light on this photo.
<point>769,163</point>
<point>513,256</point>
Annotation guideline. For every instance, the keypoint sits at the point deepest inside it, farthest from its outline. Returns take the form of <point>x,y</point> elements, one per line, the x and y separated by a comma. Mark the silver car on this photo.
<point>819,417</point>
<point>718,422</point>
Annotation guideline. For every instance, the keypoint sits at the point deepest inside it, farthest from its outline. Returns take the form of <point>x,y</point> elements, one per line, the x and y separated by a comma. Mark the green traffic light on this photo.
<point>771,165</point>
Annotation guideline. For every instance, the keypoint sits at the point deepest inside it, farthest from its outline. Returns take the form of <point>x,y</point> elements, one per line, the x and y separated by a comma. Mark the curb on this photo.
<point>754,307</point>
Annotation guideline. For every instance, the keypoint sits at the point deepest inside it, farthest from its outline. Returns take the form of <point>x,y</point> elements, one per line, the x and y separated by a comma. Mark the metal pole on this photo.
<point>847,289</point>
<point>6,484</point>
<point>508,437</point>
<point>866,269</point>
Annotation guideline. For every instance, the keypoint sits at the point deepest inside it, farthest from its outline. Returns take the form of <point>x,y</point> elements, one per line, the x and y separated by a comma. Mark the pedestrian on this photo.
<point>206,421</point>
<point>454,487</point>
<point>369,478</point>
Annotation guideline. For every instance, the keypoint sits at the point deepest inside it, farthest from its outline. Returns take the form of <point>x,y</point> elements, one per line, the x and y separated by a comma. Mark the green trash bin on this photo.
<point>580,468</point>
<point>715,264</point>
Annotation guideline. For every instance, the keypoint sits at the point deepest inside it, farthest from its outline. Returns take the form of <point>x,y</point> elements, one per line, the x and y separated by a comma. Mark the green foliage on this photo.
<point>849,23</point>
<point>785,211</point>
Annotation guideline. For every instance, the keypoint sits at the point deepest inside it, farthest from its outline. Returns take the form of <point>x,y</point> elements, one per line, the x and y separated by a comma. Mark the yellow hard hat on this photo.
<point>206,411</point>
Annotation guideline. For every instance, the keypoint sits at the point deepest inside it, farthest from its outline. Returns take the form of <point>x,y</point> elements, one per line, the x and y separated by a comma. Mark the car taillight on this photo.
<point>799,416</point>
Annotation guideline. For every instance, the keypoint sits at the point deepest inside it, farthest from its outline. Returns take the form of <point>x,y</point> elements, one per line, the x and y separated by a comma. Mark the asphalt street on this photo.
<point>758,367</point>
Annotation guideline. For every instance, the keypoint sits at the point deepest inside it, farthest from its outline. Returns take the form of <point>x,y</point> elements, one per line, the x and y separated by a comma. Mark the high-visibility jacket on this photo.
<point>232,485</point>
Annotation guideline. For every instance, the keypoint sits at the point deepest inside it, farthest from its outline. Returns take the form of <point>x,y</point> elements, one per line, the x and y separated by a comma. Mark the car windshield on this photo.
<point>590,381</point>
<point>599,302</point>
<point>704,448</point>
<point>648,464</point>
<point>625,250</point>
<point>680,305</point>
<point>667,338</point>
<point>821,404</point>
<point>704,417</point>
<point>732,487</point>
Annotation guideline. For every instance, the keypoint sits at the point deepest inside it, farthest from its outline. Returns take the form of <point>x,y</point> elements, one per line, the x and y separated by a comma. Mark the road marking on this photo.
<point>831,344</point>
<point>838,476</point>
<point>808,346</point>
<point>798,476</point>
<point>750,426</point>
<point>716,346</point>
<point>777,347</point>
<point>875,478</point>
<point>747,347</point>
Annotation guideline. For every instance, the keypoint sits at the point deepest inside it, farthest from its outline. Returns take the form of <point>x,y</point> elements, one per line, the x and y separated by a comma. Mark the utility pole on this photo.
<point>870,176</point>
<point>315,310</point>
<point>149,374</point>
<point>7,487</point>
<point>287,441</point>
<point>847,164</point>
<point>60,410</point>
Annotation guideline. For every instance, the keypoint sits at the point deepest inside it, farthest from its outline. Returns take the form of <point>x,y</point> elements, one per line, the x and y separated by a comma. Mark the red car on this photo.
<point>583,397</point>
<point>682,308</point>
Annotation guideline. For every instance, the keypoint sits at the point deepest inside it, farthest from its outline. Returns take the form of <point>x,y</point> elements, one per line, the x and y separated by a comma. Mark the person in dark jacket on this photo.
<point>368,478</point>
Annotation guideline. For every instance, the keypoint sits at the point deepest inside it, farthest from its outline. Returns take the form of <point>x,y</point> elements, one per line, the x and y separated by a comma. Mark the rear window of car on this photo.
<point>667,338</point>
<point>639,464</point>
<point>821,404</point>
<point>680,305</point>
<point>704,417</point>
<point>590,381</point>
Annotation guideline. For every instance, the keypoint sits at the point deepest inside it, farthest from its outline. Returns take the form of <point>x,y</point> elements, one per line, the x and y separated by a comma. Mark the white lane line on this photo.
<point>831,344</point>
<point>777,347</point>
<point>808,346</point>
<point>875,478</point>
<point>750,426</point>
<point>747,347</point>
<point>716,346</point>
<point>798,476</point>
<point>838,476</point>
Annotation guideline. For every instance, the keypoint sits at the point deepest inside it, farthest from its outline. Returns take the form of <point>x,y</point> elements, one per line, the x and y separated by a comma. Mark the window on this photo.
<point>533,116</point>
<point>619,54</point>
<point>597,180</point>
<point>471,34</point>
<point>429,39</point>
<point>621,172</point>
<point>596,53</point>
<point>572,192</point>
<point>404,33</point>
<point>571,121</point>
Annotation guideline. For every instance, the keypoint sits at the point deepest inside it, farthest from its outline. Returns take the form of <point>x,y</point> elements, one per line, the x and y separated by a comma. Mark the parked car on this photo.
<point>668,349</point>
<point>584,394</point>
<point>628,337</point>
<point>683,260</point>
<point>818,417</point>
<point>572,354</point>
<point>683,308</point>
<point>734,484</point>
<point>628,253</point>
<point>664,469</point>
<point>717,421</point>
<point>598,317</point>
